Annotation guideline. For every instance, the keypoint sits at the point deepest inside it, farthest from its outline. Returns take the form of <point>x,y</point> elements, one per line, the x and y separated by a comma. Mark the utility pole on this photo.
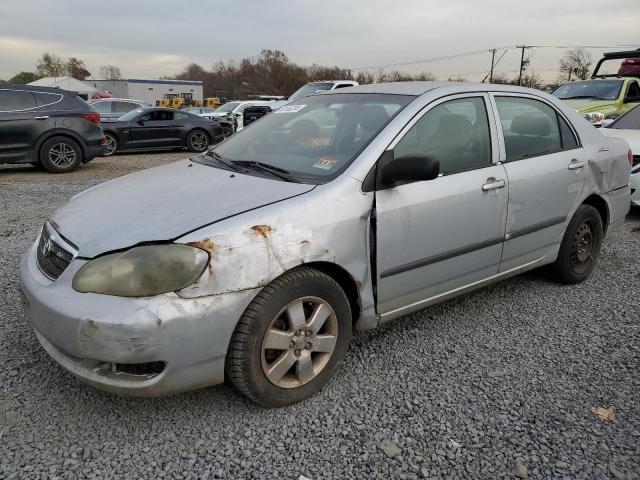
<point>493,56</point>
<point>570,71</point>
<point>522,63</point>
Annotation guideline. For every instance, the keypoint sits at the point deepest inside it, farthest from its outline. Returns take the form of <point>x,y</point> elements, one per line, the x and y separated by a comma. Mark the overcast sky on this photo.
<point>151,38</point>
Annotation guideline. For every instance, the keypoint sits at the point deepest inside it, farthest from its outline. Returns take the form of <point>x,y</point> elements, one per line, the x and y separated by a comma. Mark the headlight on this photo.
<point>594,117</point>
<point>142,271</point>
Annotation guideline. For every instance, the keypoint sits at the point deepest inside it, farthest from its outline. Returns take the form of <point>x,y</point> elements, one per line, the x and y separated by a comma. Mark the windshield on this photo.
<point>227,107</point>
<point>131,114</point>
<point>600,89</point>
<point>315,138</point>
<point>630,120</point>
<point>310,89</point>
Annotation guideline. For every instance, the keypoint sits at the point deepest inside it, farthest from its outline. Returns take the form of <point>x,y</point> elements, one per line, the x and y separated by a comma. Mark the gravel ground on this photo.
<point>494,384</point>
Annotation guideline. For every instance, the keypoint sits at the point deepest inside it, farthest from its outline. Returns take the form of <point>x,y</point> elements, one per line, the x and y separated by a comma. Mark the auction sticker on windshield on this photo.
<point>290,109</point>
<point>325,164</point>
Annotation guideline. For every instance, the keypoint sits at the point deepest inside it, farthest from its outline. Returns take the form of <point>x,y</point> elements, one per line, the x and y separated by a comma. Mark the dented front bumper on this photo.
<point>131,346</point>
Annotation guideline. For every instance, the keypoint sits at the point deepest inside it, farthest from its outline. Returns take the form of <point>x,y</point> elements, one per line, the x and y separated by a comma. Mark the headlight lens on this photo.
<point>142,271</point>
<point>594,117</point>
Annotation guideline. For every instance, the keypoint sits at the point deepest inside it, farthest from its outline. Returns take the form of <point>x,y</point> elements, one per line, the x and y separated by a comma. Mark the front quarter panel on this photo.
<point>329,224</point>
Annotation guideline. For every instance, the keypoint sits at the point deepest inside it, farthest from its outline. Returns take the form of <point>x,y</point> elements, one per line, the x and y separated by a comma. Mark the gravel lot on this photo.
<point>497,382</point>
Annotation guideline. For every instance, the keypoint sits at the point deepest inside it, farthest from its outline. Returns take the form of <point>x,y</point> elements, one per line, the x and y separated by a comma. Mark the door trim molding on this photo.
<point>423,262</point>
<point>440,257</point>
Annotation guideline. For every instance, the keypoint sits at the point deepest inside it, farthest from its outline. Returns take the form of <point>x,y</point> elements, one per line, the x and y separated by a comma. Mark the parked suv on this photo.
<point>112,108</point>
<point>49,127</point>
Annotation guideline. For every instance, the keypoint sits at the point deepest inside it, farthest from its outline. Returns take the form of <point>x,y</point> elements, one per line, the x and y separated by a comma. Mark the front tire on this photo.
<point>291,339</point>
<point>112,144</point>
<point>197,141</point>
<point>580,247</point>
<point>60,155</point>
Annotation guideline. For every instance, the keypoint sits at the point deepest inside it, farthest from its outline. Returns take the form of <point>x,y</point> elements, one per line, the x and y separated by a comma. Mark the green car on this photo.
<point>610,92</point>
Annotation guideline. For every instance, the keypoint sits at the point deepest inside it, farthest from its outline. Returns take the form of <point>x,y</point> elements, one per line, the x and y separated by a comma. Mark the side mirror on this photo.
<point>408,169</point>
<point>140,121</point>
<point>631,100</point>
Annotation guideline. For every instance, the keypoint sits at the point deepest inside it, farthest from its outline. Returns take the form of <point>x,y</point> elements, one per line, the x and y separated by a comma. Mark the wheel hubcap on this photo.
<point>62,155</point>
<point>199,141</point>
<point>582,247</point>
<point>299,342</point>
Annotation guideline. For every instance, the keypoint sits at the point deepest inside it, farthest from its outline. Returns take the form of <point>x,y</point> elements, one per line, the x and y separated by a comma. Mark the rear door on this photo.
<point>437,236</point>
<point>547,172</point>
<point>21,124</point>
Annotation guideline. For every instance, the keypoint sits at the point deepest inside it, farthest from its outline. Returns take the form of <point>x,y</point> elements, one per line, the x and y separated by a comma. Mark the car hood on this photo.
<point>584,105</point>
<point>161,204</point>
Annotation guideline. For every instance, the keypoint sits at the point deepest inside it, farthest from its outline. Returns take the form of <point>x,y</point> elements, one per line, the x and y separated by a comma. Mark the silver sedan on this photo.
<point>344,210</point>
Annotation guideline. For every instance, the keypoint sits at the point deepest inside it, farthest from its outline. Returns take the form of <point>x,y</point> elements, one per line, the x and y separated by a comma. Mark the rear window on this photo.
<point>45,99</point>
<point>16,100</point>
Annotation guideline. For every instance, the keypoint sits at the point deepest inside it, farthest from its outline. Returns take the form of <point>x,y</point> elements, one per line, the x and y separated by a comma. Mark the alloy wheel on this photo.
<point>62,155</point>
<point>199,141</point>
<point>299,342</point>
<point>111,144</point>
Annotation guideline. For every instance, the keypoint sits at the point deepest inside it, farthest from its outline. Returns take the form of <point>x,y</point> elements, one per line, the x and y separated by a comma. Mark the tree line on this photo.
<point>272,72</point>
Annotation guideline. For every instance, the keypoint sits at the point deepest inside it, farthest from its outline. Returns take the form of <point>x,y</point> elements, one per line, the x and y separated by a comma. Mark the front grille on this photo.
<point>52,258</point>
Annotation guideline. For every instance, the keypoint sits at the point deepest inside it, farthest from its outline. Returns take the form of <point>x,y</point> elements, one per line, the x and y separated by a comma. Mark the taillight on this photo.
<point>93,117</point>
<point>630,157</point>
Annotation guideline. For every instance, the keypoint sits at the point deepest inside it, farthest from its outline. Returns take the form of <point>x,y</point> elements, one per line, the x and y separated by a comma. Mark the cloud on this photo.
<point>151,38</point>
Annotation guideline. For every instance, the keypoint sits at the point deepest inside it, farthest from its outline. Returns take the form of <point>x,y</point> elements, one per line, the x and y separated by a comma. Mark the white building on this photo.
<point>148,90</point>
<point>67,83</point>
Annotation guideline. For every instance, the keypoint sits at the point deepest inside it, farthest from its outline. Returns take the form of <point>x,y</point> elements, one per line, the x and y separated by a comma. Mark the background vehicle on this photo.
<point>160,129</point>
<point>233,111</point>
<point>320,218</point>
<point>627,127</point>
<point>112,108</point>
<point>206,112</point>
<point>49,127</point>
<point>315,87</point>
<point>614,88</point>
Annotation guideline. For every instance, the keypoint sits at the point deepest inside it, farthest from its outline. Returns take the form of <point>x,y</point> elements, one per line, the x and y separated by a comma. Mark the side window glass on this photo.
<point>456,133</point>
<point>45,99</point>
<point>102,107</point>
<point>181,116</point>
<point>568,138</point>
<point>633,93</point>
<point>15,101</point>
<point>123,107</point>
<point>530,127</point>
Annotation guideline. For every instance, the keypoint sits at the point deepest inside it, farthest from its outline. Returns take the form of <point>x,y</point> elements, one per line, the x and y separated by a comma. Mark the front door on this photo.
<point>547,171</point>
<point>153,129</point>
<point>437,236</point>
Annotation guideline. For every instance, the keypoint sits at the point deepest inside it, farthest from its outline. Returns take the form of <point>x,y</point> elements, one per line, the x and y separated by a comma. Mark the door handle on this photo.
<point>575,164</point>
<point>493,184</point>
<point>44,117</point>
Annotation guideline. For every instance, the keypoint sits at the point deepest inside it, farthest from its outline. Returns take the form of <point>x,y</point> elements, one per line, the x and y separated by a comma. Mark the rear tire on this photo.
<point>197,141</point>
<point>291,339</point>
<point>60,155</point>
<point>580,247</point>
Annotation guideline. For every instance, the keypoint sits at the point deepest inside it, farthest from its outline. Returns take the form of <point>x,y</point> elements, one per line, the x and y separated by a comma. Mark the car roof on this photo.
<point>35,88</point>
<point>420,88</point>
<point>110,99</point>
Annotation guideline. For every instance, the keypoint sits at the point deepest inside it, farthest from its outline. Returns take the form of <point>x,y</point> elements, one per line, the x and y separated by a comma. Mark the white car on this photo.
<point>205,112</point>
<point>627,127</point>
<point>233,111</point>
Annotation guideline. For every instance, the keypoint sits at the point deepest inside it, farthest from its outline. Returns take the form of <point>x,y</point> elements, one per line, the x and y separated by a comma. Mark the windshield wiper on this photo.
<point>219,158</point>
<point>272,169</point>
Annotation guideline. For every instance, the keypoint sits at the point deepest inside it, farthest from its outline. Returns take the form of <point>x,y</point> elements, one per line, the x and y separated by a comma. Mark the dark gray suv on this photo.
<point>49,127</point>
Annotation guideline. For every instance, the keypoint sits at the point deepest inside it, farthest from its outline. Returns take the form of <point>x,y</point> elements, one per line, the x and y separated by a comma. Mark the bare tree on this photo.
<point>50,65</point>
<point>77,69</point>
<point>531,80</point>
<point>576,63</point>
<point>110,72</point>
